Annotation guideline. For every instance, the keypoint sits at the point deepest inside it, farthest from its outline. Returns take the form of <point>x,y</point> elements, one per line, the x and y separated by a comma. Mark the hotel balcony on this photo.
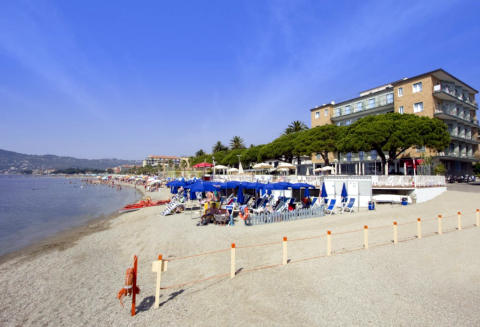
<point>444,93</point>
<point>448,114</point>
<point>456,155</point>
<point>355,109</point>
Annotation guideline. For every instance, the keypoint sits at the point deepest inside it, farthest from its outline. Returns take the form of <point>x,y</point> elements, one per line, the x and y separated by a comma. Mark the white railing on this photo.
<point>408,181</point>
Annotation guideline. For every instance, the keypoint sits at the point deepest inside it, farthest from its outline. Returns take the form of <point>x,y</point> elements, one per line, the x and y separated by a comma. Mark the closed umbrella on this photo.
<point>324,194</point>
<point>240,168</point>
<point>344,193</point>
<point>240,198</point>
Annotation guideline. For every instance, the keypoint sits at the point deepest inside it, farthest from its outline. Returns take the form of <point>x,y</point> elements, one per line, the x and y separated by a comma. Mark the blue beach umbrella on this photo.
<point>324,194</point>
<point>344,193</point>
<point>240,198</point>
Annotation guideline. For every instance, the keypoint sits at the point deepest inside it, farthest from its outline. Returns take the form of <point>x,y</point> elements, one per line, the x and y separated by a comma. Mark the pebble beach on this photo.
<point>73,279</point>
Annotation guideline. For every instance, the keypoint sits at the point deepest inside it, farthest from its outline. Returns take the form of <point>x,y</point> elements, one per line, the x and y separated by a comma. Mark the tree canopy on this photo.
<point>237,143</point>
<point>295,126</point>
<point>219,147</point>
<point>392,134</point>
<point>321,139</point>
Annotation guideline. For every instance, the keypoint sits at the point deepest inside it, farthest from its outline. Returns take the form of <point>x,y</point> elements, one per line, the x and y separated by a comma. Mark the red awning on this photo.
<point>409,162</point>
<point>203,165</point>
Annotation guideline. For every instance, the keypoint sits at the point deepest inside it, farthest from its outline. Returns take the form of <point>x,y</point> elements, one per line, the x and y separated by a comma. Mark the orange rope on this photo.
<point>258,245</point>
<point>306,238</point>
<point>198,255</point>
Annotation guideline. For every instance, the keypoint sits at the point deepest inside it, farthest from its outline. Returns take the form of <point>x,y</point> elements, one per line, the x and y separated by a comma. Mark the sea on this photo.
<point>35,207</point>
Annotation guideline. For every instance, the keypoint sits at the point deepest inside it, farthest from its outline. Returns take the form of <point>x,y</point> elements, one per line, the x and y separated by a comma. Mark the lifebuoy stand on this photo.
<point>134,286</point>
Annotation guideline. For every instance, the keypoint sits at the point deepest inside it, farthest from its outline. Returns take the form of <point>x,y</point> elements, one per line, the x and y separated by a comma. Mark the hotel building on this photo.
<point>161,160</point>
<point>434,94</point>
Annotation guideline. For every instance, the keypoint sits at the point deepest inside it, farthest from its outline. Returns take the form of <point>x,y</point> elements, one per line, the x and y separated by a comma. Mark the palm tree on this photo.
<point>219,147</point>
<point>199,153</point>
<point>295,126</point>
<point>236,143</point>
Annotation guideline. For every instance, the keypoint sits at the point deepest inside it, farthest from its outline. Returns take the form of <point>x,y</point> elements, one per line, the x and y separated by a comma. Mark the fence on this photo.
<point>351,240</point>
<point>408,181</point>
<point>276,217</point>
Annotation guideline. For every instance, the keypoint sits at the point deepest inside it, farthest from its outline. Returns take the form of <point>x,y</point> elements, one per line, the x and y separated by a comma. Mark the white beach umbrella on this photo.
<point>262,165</point>
<point>286,165</point>
<point>232,170</point>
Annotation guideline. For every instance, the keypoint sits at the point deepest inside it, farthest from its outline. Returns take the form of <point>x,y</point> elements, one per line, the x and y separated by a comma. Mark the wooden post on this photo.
<point>329,243</point>
<point>134,286</point>
<point>419,228</point>
<point>395,232</point>
<point>459,220</point>
<point>365,237</point>
<point>158,266</point>
<point>440,229</point>
<point>285,254</point>
<point>232,261</point>
<point>478,217</point>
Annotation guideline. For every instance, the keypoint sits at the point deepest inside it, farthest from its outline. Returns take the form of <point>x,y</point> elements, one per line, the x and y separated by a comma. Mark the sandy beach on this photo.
<point>433,281</point>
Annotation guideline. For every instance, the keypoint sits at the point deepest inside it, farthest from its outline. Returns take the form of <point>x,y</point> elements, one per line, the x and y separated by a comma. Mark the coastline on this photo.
<point>66,238</point>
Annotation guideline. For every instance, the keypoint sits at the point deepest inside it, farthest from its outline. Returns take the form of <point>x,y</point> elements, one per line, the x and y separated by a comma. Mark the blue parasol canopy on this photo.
<point>344,193</point>
<point>240,198</point>
<point>324,194</point>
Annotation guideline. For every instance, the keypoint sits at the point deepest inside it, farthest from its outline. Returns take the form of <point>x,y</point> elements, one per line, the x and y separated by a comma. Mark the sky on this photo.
<point>126,79</point>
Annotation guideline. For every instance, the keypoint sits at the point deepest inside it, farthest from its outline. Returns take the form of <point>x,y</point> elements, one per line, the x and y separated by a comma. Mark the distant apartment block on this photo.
<point>433,94</point>
<point>161,160</point>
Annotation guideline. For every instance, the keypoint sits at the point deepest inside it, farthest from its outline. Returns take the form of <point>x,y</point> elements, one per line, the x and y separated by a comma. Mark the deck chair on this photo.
<point>331,207</point>
<point>349,206</point>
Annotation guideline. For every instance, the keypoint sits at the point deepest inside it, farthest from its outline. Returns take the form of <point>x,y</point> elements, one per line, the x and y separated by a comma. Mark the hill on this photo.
<point>17,162</point>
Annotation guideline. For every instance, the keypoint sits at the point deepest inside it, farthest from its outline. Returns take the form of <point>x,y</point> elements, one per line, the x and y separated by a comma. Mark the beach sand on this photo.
<point>429,282</point>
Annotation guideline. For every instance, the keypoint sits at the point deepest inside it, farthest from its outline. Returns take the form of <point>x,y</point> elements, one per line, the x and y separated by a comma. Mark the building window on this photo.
<point>349,156</point>
<point>400,91</point>
<point>359,106</point>
<point>421,148</point>
<point>318,156</point>
<point>337,112</point>
<point>400,110</point>
<point>373,154</point>
<point>417,87</point>
<point>348,110</point>
<point>317,114</point>
<point>361,155</point>
<point>389,97</point>
<point>326,113</point>
<point>348,122</point>
<point>418,107</point>
<point>371,103</point>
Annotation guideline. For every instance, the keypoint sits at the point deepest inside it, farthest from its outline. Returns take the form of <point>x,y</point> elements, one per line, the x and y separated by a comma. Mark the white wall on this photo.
<point>428,193</point>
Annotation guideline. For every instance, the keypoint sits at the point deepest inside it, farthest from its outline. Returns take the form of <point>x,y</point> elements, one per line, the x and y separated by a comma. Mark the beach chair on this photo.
<point>331,207</point>
<point>349,205</point>
<point>315,203</point>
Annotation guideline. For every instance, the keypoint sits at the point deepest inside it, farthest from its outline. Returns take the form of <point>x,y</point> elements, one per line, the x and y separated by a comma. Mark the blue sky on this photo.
<point>125,79</point>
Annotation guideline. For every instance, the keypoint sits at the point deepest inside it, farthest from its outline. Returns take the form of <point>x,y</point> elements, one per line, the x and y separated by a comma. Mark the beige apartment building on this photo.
<point>434,94</point>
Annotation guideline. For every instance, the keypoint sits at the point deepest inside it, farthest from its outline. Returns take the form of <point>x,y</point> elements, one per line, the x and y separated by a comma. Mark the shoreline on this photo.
<point>66,238</point>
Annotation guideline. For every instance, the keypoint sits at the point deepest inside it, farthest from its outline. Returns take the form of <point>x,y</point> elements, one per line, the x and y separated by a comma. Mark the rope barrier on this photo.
<point>338,252</point>
<point>258,245</point>
<point>197,255</point>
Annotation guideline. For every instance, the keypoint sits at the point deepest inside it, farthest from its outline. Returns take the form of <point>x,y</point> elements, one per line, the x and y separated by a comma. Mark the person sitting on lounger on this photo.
<point>306,202</point>
<point>209,216</point>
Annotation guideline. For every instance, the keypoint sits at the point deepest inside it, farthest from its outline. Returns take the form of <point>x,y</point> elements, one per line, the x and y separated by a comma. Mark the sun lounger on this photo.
<point>331,207</point>
<point>349,206</point>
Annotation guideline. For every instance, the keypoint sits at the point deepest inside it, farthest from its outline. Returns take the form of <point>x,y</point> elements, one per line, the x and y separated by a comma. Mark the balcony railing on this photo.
<point>449,91</point>
<point>453,113</point>
<point>364,105</point>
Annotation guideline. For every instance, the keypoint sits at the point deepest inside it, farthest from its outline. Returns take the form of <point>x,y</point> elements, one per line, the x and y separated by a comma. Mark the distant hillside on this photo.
<point>17,162</point>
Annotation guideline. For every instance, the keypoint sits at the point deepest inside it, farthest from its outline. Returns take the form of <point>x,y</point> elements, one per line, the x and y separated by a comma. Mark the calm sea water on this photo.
<point>32,208</point>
